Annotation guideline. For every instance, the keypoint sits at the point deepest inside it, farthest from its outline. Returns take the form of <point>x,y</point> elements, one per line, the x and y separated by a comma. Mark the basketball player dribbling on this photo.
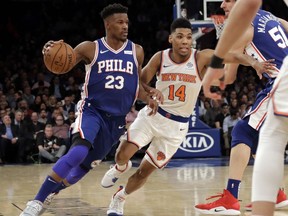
<point>113,64</point>
<point>179,72</point>
<point>267,175</point>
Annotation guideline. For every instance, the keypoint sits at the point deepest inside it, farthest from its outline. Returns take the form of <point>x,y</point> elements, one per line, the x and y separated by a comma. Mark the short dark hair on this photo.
<point>224,104</point>
<point>233,112</point>
<point>180,23</point>
<point>112,9</point>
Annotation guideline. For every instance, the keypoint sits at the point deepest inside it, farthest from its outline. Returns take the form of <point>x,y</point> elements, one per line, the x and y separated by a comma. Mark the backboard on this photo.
<point>198,11</point>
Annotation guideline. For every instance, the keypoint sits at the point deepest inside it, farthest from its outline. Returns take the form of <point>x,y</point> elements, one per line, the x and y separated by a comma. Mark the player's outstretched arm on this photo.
<point>239,20</point>
<point>84,51</point>
<point>232,60</point>
<point>247,60</point>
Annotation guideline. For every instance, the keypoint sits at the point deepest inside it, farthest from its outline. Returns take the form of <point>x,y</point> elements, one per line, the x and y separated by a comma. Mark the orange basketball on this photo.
<point>60,58</point>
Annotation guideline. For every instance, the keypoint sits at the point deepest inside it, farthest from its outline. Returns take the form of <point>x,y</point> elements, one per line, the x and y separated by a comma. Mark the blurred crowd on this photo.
<point>37,107</point>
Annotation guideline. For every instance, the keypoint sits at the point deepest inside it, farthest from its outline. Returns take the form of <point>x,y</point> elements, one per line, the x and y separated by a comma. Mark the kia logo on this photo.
<point>197,142</point>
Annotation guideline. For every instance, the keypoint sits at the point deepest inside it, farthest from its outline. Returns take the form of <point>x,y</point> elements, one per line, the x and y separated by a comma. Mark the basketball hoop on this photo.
<point>219,22</point>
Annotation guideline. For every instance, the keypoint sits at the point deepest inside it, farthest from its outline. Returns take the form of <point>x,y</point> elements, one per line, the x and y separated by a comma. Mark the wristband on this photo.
<point>216,62</point>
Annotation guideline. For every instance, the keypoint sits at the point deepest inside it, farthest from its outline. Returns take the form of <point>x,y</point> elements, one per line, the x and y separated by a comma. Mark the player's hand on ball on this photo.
<point>49,44</point>
<point>59,57</point>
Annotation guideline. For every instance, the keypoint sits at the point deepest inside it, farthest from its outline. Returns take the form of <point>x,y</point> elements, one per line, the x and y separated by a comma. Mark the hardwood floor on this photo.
<point>172,191</point>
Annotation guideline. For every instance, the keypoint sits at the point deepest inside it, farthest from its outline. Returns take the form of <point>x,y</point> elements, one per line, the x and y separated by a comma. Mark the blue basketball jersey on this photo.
<point>111,82</point>
<point>269,40</point>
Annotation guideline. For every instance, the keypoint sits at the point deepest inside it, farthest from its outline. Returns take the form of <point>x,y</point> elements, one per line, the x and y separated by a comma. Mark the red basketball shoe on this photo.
<point>227,204</point>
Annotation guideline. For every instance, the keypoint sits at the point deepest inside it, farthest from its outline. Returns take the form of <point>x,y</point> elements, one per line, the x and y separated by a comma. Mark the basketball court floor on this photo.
<point>172,191</point>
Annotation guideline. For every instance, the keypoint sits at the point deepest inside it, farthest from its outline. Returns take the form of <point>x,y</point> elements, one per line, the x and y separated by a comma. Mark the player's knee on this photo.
<point>124,152</point>
<point>77,140</point>
<point>121,157</point>
<point>76,155</point>
<point>76,175</point>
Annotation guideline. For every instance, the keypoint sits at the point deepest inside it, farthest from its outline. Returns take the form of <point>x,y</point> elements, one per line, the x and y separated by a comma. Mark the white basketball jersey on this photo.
<point>179,83</point>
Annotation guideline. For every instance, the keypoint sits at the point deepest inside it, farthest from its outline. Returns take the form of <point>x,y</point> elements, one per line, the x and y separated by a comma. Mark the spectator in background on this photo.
<point>10,142</point>
<point>234,104</point>
<point>36,104</point>
<point>57,88</point>
<point>3,104</point>
<point>24,107</point>
<point>242,109</point>
<point>211,113</point>
<point>19,122</point>
<point>201,102</point>
<point>52,103</point>
<point>61,129</point>
<point>17,99</point>
<point>206,107</point>
<point>68,106</point>
<point>9,112</point>
<point>232,95</point>
<point>219,119</point>
<point>23,79</point>
<point>2,114</point>
<point>44,106</point>
<point>71,118</point>
<point>243,99</point>
<point>40,84</point>
<point>45,98</point>
<point>32,128</point>
<point>10,97</point>
<point>55,113</point>
<point>50,147</point>
<point>43,117</point>
<point>72,87</point>
<point>18,118</point>
<point>228,124</point>
<point>28,96</point>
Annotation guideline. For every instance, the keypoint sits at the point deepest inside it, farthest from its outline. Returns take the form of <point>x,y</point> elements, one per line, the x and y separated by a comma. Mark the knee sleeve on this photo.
<point>76,174</point>
<point>72,159</point>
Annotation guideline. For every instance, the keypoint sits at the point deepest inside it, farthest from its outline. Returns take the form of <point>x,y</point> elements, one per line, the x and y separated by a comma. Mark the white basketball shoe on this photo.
<point>116,207</point>
<point>49,199</point>
<point>33,208</point>
<point>113,174</point>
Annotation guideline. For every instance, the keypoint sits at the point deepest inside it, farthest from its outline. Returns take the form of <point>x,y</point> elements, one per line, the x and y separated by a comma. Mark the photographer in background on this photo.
<point>50,147</point>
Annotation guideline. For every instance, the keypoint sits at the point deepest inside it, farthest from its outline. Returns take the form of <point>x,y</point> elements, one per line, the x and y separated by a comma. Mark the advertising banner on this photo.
<point>201,140</point>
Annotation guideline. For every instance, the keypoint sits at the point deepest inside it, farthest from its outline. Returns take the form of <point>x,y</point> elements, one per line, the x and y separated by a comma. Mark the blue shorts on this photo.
<point>244,133</point>
<point>105,131</point>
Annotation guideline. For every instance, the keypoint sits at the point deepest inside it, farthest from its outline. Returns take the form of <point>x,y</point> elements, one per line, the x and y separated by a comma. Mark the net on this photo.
<point>219,22</point>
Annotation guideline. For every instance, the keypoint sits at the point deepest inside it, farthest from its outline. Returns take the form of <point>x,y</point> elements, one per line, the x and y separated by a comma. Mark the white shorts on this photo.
<point>279,91</point>
<point>164,135</point>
